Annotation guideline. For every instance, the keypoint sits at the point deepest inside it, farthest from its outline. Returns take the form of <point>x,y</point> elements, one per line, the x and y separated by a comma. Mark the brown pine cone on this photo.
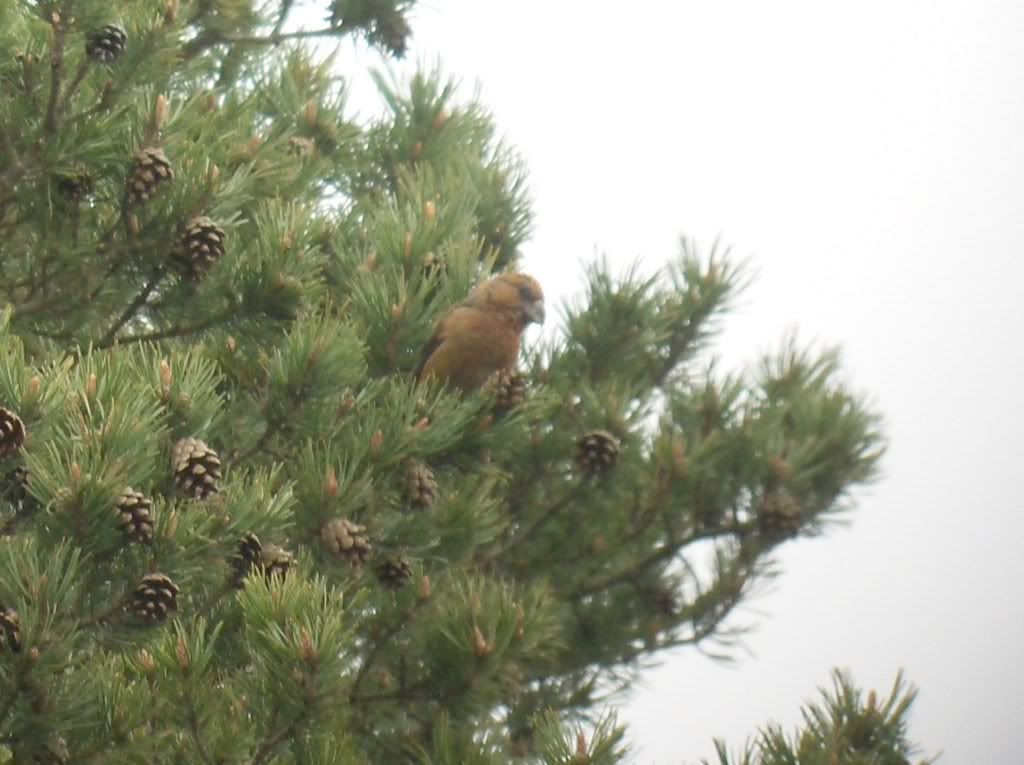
<point>597,452</point>
<point>196,468</point>
<point>420,486</point>
<point>134,513</point>
<point>152,168</point>
<point>154,598</point>
<point>345,539</point>
<point>12,432</point>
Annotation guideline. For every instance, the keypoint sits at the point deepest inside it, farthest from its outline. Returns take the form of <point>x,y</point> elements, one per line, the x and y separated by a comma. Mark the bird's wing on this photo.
<point>435,341</point>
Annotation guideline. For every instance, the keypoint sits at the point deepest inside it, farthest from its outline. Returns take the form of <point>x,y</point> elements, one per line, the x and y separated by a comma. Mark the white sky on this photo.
<point>868,156</point>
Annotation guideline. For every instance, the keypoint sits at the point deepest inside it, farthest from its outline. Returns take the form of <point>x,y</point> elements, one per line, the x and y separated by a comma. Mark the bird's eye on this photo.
<point>525,292</point>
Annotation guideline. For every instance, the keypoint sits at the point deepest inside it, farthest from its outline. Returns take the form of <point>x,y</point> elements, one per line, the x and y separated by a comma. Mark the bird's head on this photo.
<point>516,293</point>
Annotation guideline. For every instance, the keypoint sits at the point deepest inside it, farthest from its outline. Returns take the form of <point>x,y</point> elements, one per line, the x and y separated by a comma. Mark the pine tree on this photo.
<point>234,528</point>
<point>844,728</point>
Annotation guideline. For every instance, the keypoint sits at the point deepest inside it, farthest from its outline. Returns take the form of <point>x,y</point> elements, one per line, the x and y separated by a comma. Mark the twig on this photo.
<point>171,332</point>
<point>83,69</point>
<point>282,16</point>
<point>58,21</point>
<point>539,521</point>
<point>378,646</point>
<point>193,729</point>
<point>665,551</point>
<point>132,308</point>
<point>211,38</point>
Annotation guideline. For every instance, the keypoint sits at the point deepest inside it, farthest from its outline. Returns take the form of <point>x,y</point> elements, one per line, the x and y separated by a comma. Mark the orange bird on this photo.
<point>481,335</point>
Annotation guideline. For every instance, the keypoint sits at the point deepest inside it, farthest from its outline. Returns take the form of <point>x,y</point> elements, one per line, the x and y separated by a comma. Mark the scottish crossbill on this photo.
<point>481,335</point>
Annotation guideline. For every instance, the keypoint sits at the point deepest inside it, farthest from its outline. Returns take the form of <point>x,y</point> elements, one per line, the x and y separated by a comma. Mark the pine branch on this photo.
<point>109,338</point>
<point>378,646</point>
<point>58,22</point>
<point>546,515</point>
<point>270,745</point>
<point>210,39</point>
<point>194,730</point>
<point>172,332</point>
<point>666,551</point>
<point>83,70</point>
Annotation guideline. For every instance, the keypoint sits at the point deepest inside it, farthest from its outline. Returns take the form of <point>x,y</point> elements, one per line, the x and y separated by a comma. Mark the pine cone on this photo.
<point>151,169</point>
<point>779,514</point>
<point>10,629</point>
<point>392,31</point>
<point>597,452</point>
<point>394,572</point>
<point>74,186</point>
<point>420,486</point>
<point>346,539</point>
<point>276,561</point>
<point>246,557</point>
<point>200,247</point>
<point>12,432</point>
<point>154,598</point>
<point>15,488</point>
<point>509,387</point>
<point>133,510</point>
<point>106,43</point>
<point>300,146</point>
<point>196,468</point>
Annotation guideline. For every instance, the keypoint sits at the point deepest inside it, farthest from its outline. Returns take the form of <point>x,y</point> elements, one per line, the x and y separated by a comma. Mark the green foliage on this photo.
<point>843,729</point>
<point>537,588</point>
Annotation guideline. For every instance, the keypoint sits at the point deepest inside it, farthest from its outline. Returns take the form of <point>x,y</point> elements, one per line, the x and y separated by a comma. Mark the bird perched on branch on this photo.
<point>481,335</point>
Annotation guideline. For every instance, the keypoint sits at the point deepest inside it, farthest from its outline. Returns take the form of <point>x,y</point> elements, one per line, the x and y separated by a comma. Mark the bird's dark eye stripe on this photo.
<point>526,292</point>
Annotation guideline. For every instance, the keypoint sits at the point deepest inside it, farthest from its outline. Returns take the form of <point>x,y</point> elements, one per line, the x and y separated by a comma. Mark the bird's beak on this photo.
<point>535,311</point>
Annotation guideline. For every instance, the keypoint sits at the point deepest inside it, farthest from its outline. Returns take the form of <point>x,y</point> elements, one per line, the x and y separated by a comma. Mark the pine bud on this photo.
<point>481,647</point>
<point>146,661</point>
<point>407,245</point>
<point>160,112</point>
<point>181,654</point>
<point>780,469</point>
<point>347,405</point>
<point>170,12</point>
<point>331,483</point>
<point>680,465</point>
<point>417,150</point>
<point>581,748</point>
<point>166,376</point>
<point>310,113</point>
<point>429,211</point>
<point>440,119</point>
<point>376,442</point>
<point>34,385</point>
<point>307,650</point>
<point>425,588</point>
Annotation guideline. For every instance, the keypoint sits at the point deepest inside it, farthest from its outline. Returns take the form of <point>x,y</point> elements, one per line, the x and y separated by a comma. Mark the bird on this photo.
<point>482,334</point>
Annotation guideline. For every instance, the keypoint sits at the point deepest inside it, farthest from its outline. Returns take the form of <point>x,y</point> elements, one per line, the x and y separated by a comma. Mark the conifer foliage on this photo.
<point>233,528</point>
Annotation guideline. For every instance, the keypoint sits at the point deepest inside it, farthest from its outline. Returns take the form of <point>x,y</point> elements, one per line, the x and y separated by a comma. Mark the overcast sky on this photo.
<point>868,157</point>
